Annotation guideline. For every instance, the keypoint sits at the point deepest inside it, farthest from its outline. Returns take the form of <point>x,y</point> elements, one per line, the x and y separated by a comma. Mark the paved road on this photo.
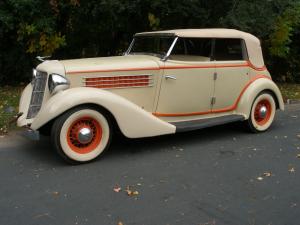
<point>203,177</point>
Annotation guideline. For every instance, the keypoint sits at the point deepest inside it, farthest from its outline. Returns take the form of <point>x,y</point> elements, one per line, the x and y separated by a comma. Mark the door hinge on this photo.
<point>213,100</point>
<point>215,75</point>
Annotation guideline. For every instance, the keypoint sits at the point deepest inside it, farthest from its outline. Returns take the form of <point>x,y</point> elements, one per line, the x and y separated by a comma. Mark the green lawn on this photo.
<point>9,100</point>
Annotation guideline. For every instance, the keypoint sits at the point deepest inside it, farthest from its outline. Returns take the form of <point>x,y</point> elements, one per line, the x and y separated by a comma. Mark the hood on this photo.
<point>106,64</point>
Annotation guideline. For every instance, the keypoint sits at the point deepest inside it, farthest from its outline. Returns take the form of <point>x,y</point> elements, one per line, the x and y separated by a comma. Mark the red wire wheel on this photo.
<point>84,135</point>
<point>262,112</point>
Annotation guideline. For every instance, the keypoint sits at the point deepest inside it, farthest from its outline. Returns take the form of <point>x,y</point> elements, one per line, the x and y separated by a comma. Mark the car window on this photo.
<point>228,49</point>
<point>156,45</point>
<point>192,49</point>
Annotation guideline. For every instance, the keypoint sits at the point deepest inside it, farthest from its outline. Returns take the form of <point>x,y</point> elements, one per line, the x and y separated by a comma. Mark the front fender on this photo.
<point>133,121</point>
<point>259,84</point>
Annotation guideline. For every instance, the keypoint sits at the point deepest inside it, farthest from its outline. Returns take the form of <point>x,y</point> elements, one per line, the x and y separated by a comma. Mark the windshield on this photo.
<point>151,45</point>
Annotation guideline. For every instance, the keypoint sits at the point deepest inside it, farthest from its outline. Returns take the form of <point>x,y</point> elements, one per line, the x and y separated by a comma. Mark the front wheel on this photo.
<point>81,134</point>
<point>262,113</point>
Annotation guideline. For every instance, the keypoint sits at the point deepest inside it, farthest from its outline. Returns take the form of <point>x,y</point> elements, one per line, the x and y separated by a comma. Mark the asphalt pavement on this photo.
<point>216,176</point>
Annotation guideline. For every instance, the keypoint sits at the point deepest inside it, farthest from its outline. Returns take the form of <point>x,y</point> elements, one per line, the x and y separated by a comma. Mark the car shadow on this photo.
<point>44,152</point>
<point>121,145</point>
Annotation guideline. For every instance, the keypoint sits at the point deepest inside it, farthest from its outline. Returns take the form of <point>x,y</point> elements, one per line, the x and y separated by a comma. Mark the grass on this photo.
<point>9,101</point>
<point>290,91</point>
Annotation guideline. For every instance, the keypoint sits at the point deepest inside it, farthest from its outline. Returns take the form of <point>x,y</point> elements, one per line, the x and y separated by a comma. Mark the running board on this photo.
<point>204,123</point>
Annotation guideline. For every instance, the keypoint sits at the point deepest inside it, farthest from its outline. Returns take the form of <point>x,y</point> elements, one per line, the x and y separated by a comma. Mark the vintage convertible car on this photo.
<point>166,82</point>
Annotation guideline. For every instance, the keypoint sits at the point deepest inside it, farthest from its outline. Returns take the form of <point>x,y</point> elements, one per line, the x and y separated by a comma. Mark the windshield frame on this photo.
<point>162,57</point>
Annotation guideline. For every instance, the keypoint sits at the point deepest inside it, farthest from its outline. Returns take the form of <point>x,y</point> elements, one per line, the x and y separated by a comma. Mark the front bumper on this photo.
<point>30,134</point>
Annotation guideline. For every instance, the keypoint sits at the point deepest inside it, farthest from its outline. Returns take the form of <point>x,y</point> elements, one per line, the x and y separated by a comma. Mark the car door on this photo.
<point>187,84</point>
<point>232,72</point>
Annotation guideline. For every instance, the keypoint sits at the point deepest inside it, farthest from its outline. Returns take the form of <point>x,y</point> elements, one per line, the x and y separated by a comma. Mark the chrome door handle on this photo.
<point>170,77</point>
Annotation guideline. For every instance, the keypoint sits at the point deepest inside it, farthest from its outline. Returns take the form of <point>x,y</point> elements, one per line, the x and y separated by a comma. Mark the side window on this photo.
<point>229,49</point>
<point>192,49</point>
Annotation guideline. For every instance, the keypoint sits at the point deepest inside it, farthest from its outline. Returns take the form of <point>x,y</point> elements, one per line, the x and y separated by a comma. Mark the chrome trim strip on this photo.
<point>170,50</point>
<point>118,80</point>
<point>130,47</point>
<point>134,84</point>
<point>123,87</point>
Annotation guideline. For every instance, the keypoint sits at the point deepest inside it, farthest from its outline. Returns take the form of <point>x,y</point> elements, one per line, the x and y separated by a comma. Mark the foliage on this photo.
<point>284,44</point>
<point>285,26</point>
<point>77,28</point>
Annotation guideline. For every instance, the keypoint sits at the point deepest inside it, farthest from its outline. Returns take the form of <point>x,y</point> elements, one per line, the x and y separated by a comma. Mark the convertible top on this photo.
<point>252,42</point>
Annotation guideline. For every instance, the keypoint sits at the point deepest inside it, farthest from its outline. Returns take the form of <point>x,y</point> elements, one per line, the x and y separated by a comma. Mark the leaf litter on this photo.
<point>129,191</point>
<point>265,174</point>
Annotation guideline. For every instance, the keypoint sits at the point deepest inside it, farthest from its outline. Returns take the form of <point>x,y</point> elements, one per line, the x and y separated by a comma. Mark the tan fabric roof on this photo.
<point>252,43</point>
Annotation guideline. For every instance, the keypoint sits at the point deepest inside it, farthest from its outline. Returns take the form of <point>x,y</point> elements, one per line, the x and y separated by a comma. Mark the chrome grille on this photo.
<point>39,84</point>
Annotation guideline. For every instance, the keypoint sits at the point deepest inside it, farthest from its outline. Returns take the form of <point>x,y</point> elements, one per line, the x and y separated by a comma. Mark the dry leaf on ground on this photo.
<point>131,192</point>
<point>117,189</point>
<point>259,178</point>
<point>267,174</point>
<point>292,170</point>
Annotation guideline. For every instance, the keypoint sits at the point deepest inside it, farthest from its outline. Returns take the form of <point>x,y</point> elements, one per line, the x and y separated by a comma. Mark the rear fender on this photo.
<point>260,84</point>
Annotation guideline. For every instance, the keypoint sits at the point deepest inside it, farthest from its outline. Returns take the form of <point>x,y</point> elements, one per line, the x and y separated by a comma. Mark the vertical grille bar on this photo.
<point>39,84</point>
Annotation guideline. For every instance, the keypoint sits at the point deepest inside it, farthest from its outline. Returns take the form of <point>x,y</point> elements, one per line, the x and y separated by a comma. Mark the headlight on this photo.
<point>34,72</point>
<point>57,83</point>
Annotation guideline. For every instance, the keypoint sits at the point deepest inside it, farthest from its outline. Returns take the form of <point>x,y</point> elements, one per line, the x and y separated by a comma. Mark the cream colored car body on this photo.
<point>153,100</point>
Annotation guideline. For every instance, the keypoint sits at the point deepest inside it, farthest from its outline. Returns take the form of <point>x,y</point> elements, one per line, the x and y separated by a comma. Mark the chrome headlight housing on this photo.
<point>34,73</point>
<point>57,82</point>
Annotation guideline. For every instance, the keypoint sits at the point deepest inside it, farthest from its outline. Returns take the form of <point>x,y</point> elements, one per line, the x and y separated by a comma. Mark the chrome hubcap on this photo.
<point>85,135</point>
<point>263,111</point>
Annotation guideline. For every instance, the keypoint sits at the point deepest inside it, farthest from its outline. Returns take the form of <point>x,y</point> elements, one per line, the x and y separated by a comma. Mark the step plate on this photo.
<point>204,123</point>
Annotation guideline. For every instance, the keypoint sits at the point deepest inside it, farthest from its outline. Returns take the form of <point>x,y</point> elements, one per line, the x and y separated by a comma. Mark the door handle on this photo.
<point>170,77</point>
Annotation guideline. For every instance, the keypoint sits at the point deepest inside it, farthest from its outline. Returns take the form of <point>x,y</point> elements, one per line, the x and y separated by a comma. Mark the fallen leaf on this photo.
<point>267,174</point>
<point>135,193</point>
<point>131,192</point>
<point>55,193</point>
<point>292,170</point>
<point>120,223</point>
<point>117,189</point>
<point>259,178</point>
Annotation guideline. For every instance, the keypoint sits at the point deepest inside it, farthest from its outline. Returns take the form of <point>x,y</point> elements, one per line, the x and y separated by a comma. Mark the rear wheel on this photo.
<point>262,112</point>
<point>81,134</point>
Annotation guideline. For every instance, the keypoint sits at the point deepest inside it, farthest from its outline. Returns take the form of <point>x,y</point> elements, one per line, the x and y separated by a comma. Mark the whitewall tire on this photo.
<point>262,112</point>
<point>81,134</point>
